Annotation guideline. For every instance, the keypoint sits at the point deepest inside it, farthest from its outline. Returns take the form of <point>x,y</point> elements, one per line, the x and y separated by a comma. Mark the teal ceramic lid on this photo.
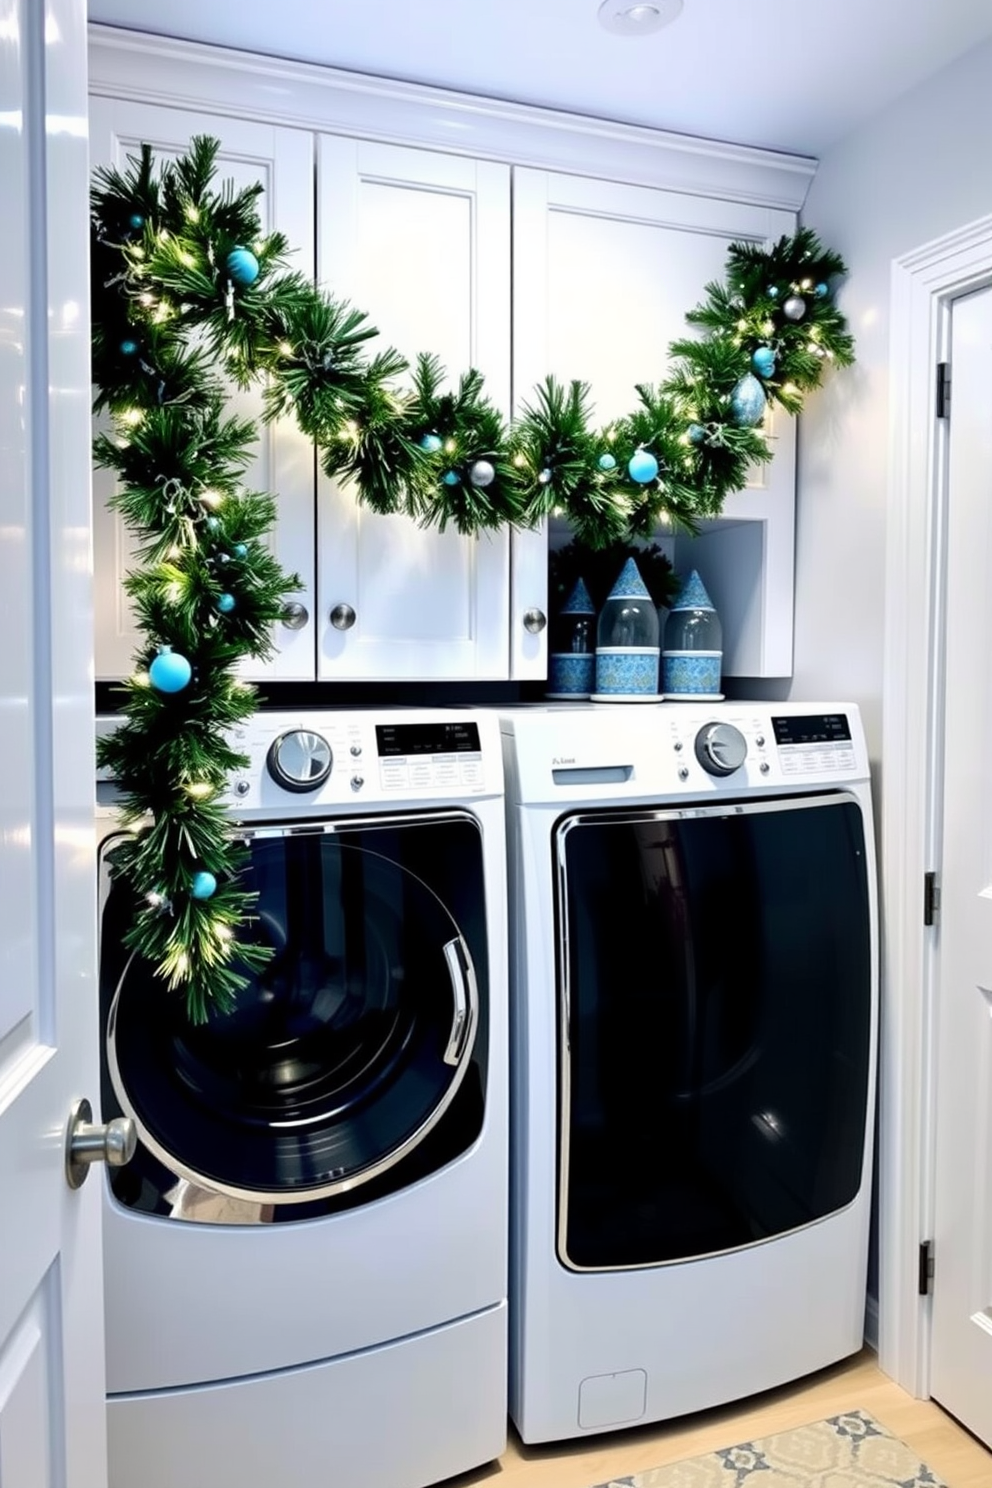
<point>578,602</point>
<point>629,585</point>
<point>692,595</point>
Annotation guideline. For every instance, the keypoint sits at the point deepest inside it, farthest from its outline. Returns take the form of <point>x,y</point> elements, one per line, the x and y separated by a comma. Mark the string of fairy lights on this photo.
<point>189,298</point>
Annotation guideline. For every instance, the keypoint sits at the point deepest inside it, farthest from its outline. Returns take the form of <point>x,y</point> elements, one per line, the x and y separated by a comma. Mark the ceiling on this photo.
<point>783,74</point>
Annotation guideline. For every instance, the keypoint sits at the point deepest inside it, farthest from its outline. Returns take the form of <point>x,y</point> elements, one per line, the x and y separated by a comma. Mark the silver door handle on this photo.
<point>294,615</point>
<point>86,1143</point>
<point>534,621</point>
<point>343,617</point>
<point>463,992</point>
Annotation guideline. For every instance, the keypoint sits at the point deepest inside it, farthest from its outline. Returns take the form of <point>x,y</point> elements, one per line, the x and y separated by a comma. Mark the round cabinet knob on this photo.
<point>535,621</point>
<point>294,615</point>
<point>343,617</point>
<point>720,748</point>
<point>300,760</point>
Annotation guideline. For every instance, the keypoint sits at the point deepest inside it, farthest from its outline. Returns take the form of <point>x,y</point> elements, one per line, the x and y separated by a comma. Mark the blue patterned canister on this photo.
<point>692,652</point>
<point>572,659</point>
<point>627,635</point>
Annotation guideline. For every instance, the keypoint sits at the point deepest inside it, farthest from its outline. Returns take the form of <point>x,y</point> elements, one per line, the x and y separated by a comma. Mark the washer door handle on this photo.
<point>463,991</point>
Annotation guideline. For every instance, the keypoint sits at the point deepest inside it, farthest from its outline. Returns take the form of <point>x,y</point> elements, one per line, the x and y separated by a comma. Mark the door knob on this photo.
<point>294,615</point>
<point>534,621</point>
<point>86,1143</point>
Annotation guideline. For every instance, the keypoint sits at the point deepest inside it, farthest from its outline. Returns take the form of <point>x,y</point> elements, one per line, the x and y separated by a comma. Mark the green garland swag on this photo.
<point>189,294</point>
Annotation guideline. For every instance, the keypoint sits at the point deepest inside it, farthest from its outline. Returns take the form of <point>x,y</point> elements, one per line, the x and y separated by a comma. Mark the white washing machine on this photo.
<point>306,1259</point>
<point>693,1031</point>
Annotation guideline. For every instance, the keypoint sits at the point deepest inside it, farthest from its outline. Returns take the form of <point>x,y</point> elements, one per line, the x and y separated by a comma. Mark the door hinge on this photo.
<point>931,898</point>
<point>943,389</point>
<point>925,1283</point>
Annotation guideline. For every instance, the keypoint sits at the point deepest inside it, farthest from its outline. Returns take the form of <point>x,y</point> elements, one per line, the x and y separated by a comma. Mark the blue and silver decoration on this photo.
<point>747,401</point>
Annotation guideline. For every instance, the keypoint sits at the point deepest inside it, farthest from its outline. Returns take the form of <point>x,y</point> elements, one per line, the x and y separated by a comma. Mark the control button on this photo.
<point>683,772</point>
<point>356,750</point>
<point>242,787</point>
<point>678,745</point>
<point>760,741</point>
<point>300,760</point>
<point>720,748</point>
<point>764,767</point>
<point>357,781</point>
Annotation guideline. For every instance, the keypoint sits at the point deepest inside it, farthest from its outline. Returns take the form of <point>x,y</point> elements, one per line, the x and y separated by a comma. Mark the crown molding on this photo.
<point>217,80</point>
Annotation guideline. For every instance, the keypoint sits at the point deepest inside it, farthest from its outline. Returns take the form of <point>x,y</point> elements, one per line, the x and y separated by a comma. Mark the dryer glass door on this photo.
<point>715,971</point>
<point>345,1054</point>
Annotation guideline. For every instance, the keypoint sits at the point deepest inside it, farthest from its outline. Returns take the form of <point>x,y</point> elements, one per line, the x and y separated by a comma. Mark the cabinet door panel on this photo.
<point>421,243</point>
<point>282,160</point>
<point>603,276</point>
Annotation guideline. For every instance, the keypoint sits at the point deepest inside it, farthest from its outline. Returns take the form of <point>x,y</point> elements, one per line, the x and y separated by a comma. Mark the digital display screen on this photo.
<point>397,739</point>
<point>814,728</point>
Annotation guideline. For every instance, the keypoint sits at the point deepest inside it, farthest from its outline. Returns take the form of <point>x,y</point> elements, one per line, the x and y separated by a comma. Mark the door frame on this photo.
<point>924,284</point>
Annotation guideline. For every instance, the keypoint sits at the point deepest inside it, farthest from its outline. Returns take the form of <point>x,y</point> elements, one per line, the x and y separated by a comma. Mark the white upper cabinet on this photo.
<point>282,160</point>
<point>603,274</point>
<point>420,241</point>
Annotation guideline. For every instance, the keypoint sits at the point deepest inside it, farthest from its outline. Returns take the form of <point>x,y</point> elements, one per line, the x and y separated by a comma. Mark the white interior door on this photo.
<point>961,1358</point>
<point>51,1328</point>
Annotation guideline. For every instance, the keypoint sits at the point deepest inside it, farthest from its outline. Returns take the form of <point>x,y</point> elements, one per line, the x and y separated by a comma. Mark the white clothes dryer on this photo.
<point>693,975</point>
<point>306,1259</point>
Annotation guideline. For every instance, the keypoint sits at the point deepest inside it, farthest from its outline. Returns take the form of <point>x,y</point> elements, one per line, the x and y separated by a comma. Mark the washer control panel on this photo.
<point>334,757</point>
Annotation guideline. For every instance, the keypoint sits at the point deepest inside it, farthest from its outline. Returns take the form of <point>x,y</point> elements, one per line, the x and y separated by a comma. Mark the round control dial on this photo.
<point>299,760</point>
<point>720,748</point>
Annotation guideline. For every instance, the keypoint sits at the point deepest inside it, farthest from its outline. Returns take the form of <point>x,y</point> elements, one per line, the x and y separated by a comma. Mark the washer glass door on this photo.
<point>342,1056</point>
<point>715,977</point>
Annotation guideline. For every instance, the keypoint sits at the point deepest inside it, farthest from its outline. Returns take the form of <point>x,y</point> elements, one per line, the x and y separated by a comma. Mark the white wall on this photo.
<point>917,171</point>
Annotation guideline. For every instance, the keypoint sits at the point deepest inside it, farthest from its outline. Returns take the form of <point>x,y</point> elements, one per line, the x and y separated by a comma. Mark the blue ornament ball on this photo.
<point>607,462</point>
<point>242,265</point>
<point>431,443</point>
<point>821,291</point>
<point>696,433</point>
<point>213,524</point>
<point>170,671</point>
<point>129,348</point>
<point>136,220</point>
<point>451,478</point>
<point>773,291</point>
<point>241,550</point>
<point>747,401</point>
<point>642,466</point>
<point>763,361</point>
<point>204,885</point>
<point>226,603</point>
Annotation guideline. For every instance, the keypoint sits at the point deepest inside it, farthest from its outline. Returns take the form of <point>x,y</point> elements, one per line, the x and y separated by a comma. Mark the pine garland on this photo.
<point>190,295</point>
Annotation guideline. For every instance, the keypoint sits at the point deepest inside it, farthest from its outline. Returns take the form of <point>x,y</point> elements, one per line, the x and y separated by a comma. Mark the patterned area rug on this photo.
<point>851,1451</point>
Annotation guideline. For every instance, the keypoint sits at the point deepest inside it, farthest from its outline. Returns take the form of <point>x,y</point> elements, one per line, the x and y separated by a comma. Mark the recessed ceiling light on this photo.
<point>638,19</point>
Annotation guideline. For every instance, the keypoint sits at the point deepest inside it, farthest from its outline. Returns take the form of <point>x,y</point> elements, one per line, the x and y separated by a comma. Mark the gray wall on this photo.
<point>919,170</point>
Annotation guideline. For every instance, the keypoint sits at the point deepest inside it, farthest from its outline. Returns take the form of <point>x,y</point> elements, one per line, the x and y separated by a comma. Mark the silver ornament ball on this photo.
<point>482,473</point>
<point>794,308</point>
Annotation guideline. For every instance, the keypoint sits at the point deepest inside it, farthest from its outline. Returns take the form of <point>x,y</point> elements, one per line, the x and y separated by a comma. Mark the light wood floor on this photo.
<point>855,1384</point>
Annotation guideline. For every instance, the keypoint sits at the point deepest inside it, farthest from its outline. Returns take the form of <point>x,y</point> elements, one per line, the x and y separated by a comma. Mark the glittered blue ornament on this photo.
<point>821,291</point>
<point>169,672</point>
<point>772,292</point>
<point>431,443</point>
<point>747,401</point>
<point>451,478</point>
<point>240,550</point>
<point>129,348</point>
<point>204,885</point>
<point>136,220</point>
<point>226,603</point>
<point>642,466</point>
<point>242,265</point>
<point>607,462</point>
<point>763,361</point>
<point>696,433</point>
